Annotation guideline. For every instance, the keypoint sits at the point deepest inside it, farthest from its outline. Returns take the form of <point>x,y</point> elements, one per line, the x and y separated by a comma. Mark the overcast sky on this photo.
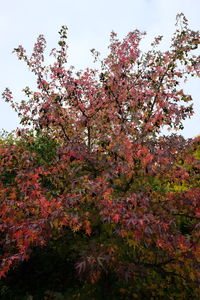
<point>90,23</point>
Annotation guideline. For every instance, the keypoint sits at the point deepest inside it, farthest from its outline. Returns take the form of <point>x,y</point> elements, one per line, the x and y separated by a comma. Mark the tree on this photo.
<point>110,174</point>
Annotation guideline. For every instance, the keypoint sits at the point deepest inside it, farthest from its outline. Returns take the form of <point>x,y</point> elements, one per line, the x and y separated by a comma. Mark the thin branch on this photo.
<point>89,137</point>
<point>63,129</point>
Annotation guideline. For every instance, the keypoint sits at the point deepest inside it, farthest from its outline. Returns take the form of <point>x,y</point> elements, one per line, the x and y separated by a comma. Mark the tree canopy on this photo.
<point>91,171</point>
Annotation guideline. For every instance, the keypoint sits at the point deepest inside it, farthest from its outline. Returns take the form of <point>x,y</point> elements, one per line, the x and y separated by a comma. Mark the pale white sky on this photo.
<point>90,23</point>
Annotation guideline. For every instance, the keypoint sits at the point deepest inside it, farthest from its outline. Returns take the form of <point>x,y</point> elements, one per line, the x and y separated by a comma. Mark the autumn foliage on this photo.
<point>91,160</point>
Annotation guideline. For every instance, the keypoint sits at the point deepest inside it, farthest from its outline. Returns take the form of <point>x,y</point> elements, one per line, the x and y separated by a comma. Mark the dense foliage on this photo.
<point>91,181</point>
